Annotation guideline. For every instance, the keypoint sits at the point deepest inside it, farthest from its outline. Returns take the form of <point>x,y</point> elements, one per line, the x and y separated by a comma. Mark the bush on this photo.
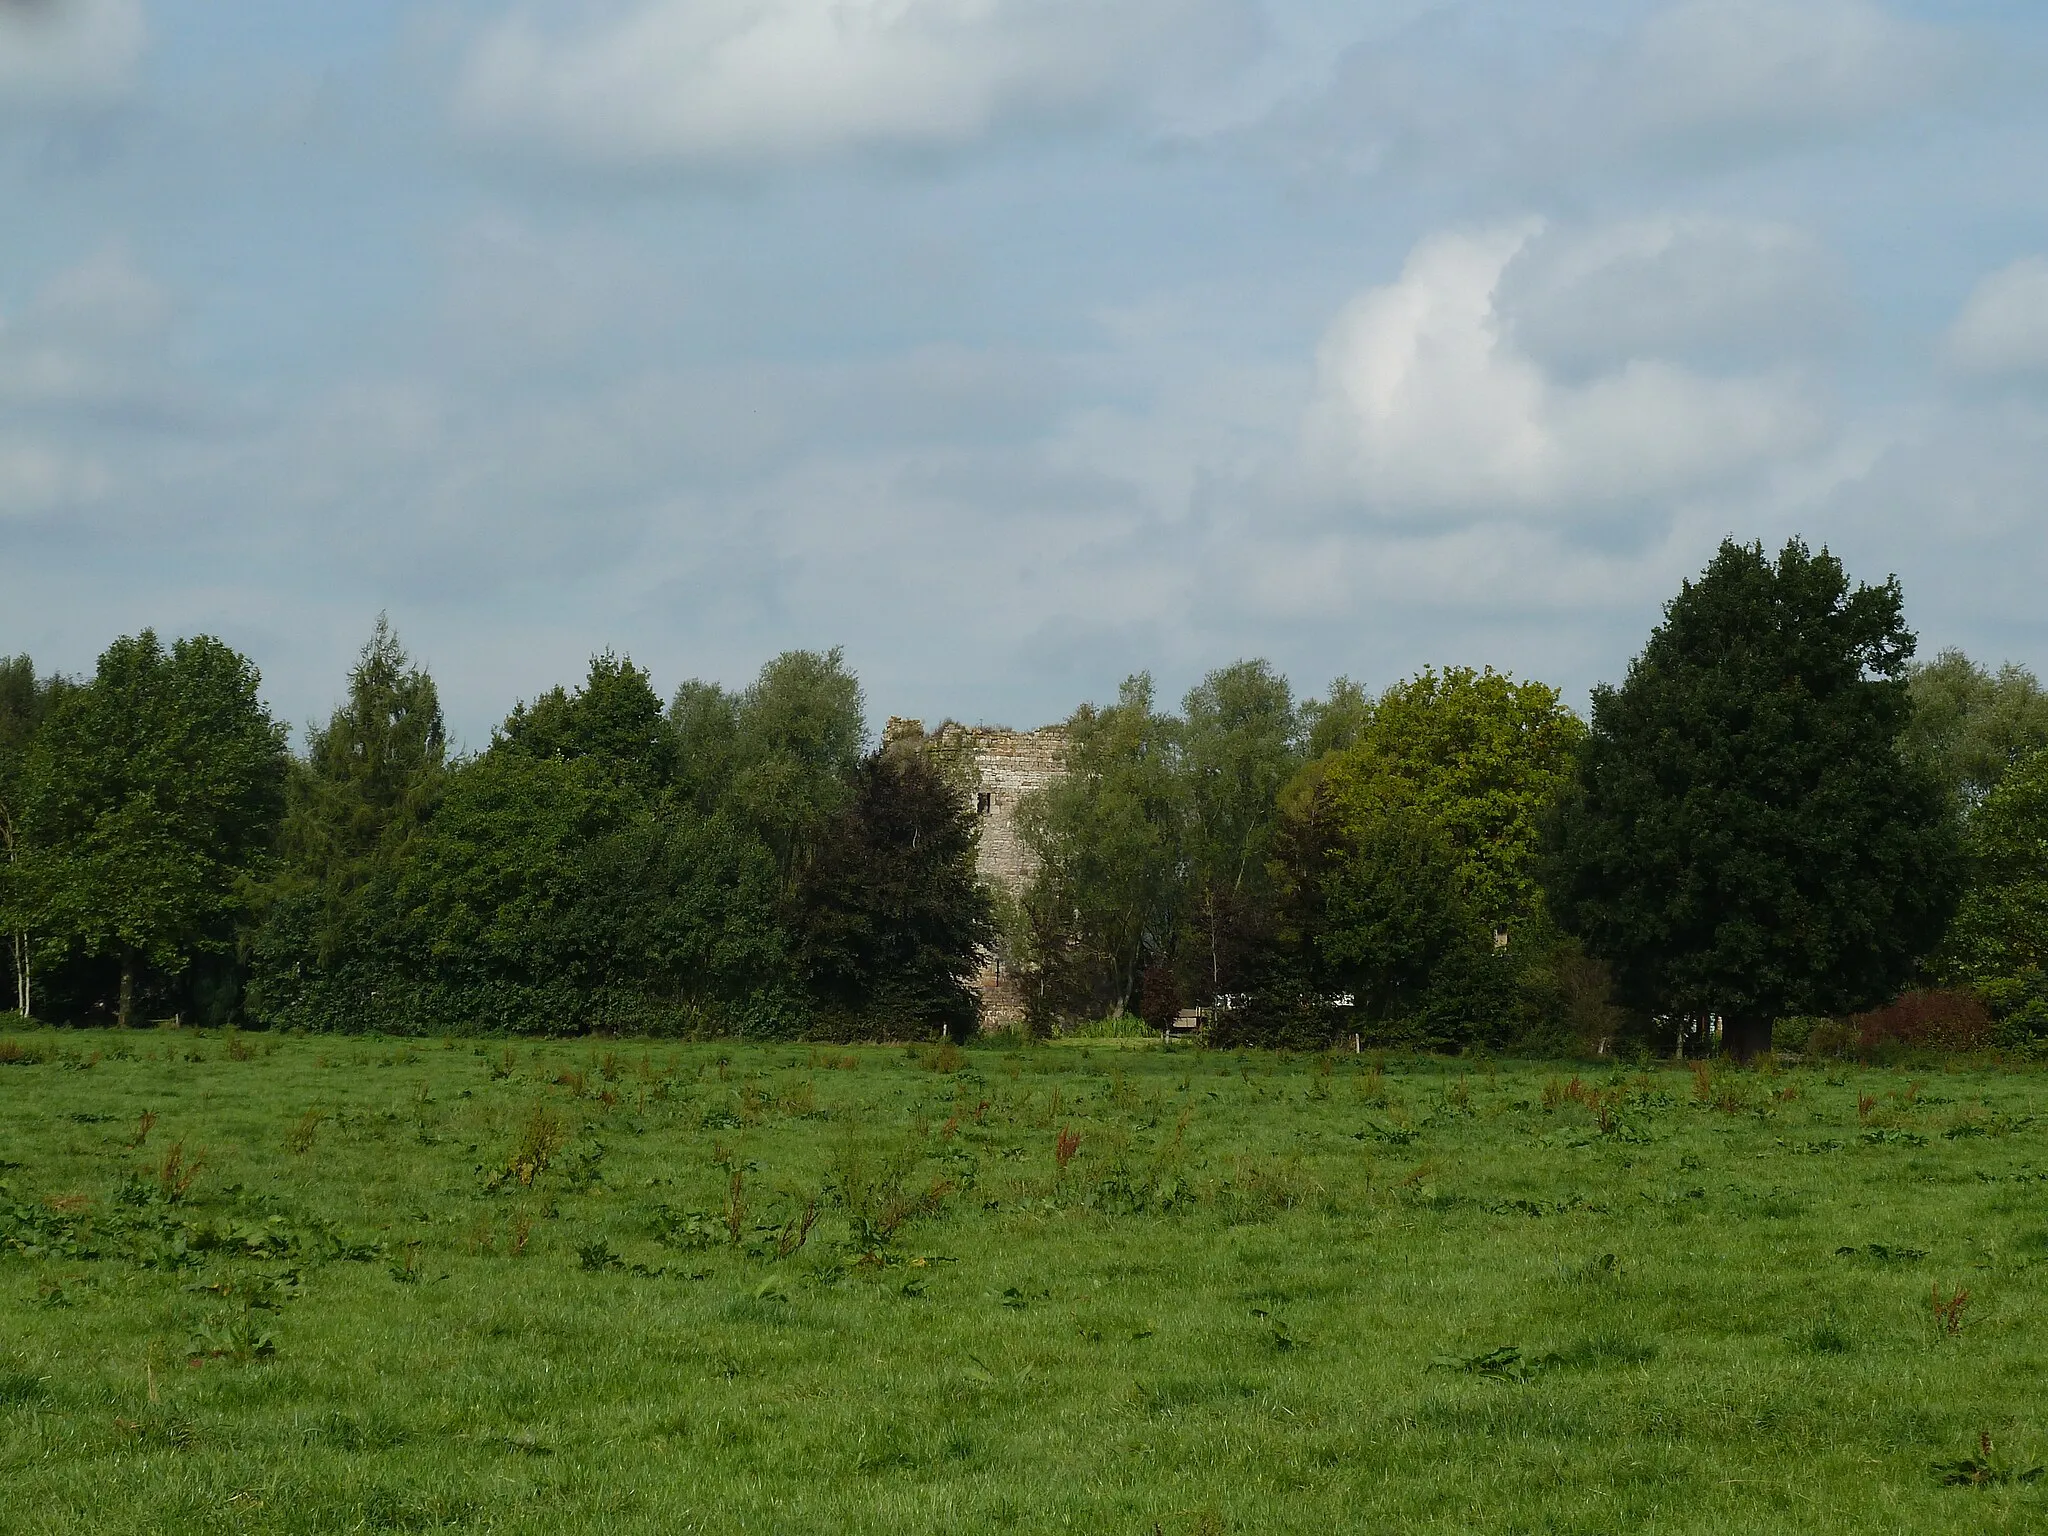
<point>1830,1037</point>
<point>1795,1033</point>
<point>1926,1019</point>
<point>1115,1026</point>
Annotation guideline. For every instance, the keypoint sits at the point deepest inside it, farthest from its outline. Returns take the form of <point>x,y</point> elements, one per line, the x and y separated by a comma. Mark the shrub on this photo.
<point>1830,1037</point>
<point>1927,1019</point>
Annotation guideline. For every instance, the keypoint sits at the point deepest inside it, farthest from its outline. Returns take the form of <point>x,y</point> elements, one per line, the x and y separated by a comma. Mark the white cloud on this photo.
<point>736,81</point>
<point>1427,402</point>
<point>2003,328</point>
<point>68,51</point>
<point>87,338</point>
<point>35,478</point>
<point>106,296</point>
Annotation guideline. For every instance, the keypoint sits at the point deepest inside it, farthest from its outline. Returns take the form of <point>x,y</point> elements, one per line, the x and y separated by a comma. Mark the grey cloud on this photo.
<point>1952,502</point>
<point>1710,78</point>
<point>68,52</point>
<point>1712,292</point>
<point>1524,95</point>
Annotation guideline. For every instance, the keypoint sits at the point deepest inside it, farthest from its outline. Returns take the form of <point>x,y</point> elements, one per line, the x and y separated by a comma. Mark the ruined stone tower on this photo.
<point>1002,766</point>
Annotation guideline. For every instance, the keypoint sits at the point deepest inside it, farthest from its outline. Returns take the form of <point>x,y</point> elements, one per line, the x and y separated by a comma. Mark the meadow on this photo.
<point>267,1283</point>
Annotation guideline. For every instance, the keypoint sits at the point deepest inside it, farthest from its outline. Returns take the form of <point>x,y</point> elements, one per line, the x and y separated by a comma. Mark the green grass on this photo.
<point>491,1286</point>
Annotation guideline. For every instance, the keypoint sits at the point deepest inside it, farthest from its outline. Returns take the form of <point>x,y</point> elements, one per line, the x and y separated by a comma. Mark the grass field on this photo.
<point>354,1284</point>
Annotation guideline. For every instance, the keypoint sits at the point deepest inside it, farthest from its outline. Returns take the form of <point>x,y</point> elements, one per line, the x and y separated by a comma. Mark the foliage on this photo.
<point>1334,723</point>
<point>1970,725</point>
<point>889,918</point>
<point>25,700</point>
<point>1374,909</point>
<point>1999,941</point>
<point>552,883</point>
<point>796,741</point>
<point>1399,856</point>
<point>545,895</point>
<point>1925,1019</point>
<point>729,865</point>
<point>355,807</point>
<point>1744,836</point>
<point>1236,752</point>
<point>1108,839</point>
<point>1477,756</point>
<point>615,718</point>
<point>149,796</point>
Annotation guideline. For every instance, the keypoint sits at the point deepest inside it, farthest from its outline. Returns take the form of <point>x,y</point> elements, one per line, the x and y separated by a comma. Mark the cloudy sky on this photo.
<point>1012,344</point>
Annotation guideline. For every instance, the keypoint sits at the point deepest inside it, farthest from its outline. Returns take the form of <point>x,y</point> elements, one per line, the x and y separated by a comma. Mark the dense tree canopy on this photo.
<point>1773,813</point>
<point>1999,943</point>
<point>149,795</point>
<point>1108,839</point>
<point>1969,725</point>
<point>731,864</point>
<point>25,701</point>
<point>1238,748</point>
<point>1745,836</point>
<point>1404,849</point>
<point>613,720</point>
<point>889,903</point>
<point>1478,757</point>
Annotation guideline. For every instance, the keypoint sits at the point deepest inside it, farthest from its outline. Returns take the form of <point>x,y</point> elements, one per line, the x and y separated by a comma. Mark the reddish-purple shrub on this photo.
<point>1929,1019</point>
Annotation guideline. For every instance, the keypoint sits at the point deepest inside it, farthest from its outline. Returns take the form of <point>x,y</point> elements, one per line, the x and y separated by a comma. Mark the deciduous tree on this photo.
<point>1107,837</point>
<point>891,920</point>
<point>152,794</point>
<point>1970,724</point>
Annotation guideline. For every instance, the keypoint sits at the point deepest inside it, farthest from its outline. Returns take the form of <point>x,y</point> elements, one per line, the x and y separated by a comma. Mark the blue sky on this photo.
<point>1013,345</point>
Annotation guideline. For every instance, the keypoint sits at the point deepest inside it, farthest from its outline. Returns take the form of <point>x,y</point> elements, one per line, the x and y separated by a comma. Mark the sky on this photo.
<point>1012,345</point>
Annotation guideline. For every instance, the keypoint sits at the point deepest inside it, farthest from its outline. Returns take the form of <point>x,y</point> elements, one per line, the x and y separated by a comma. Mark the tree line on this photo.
<point>734,862</point>
<point>1777,812</point>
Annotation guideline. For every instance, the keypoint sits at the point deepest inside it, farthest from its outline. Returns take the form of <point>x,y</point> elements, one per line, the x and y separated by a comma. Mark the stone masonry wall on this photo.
<point>1005,766</point>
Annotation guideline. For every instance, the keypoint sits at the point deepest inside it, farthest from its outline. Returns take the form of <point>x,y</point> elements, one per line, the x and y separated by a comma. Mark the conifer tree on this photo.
<point>1745,836</point>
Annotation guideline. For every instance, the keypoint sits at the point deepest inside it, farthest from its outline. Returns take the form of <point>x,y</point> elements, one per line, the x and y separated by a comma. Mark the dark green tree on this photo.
<point>1406,856</point>
<point>152,794</point>
<point>1372,910</point>
<point>547,895</point>
<point>614,719</point>
<point>892,922</point>
<point>356,805</point>
<point>705,722</point>
<point>370,774</point>
<point>1744,835</point>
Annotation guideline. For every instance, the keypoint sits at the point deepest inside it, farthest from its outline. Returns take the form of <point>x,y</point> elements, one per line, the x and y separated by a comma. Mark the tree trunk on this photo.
<point>1746,1036</point>
<point>127,987</point>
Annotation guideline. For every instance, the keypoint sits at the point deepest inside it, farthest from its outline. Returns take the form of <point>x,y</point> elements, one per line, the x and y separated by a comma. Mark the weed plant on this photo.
<point>251,1283</point>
